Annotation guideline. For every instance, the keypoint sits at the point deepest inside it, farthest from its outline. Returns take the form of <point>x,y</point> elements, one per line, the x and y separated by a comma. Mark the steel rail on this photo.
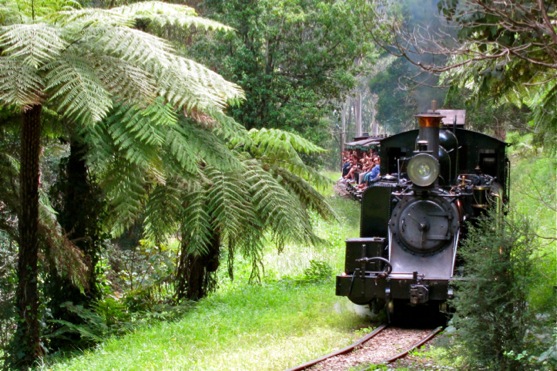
<point>342,351</point>
<point>417,344</point>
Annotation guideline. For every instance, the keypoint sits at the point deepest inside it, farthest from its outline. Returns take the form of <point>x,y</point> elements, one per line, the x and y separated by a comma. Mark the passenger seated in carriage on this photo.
<point>373,175</point>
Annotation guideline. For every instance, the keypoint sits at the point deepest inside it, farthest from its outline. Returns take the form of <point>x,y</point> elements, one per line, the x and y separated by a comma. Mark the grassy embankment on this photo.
<point>292,317</point>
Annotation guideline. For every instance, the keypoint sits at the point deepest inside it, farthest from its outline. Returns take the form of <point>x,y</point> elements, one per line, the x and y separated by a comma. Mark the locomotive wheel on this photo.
<point>377,305</point>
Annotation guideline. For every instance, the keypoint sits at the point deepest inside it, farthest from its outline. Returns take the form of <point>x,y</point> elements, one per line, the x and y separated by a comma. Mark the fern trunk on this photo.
<point>194,279</point>
<point>79,205</point>
<point>26,347</point>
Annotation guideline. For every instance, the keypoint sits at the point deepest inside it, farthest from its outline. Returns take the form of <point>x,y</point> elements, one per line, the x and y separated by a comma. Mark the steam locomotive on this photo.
<point>437,179</point>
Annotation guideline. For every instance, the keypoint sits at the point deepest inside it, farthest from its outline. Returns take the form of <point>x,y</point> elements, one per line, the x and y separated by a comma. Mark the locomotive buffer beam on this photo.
<point>419,292</point>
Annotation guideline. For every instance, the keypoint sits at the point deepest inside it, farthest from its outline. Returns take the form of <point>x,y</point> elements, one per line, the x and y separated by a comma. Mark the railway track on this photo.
<point>384,345</point>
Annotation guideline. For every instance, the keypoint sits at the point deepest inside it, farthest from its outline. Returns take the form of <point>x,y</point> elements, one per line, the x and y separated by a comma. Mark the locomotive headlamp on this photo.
<point>423,169</point>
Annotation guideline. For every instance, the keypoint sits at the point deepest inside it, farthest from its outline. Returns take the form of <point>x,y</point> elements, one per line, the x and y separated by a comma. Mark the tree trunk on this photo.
<point>27,338</point>
<point>194,279</point>
<point>79,204</point>
<point>358,113</point>
<point>343,129</point>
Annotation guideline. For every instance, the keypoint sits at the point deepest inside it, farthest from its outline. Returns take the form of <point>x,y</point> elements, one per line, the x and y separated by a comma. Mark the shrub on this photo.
<point>318,271</point>
<point>492,311</point>
<point>8,283</point>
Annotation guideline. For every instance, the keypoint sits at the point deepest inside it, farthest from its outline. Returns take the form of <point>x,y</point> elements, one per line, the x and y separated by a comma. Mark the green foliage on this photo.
<point>500,57</point>
<point>533,179</point>
<point>292,58</point>
<point>7,290</point>
<point>395,109</point>
<point>486,114</point>
<point>318,271</point>
<point>143,274</point>
<point>130,64</point>
<point>80,65</point>
<point>108,318</point>
<point>92,329</point>
<point>492,312</point>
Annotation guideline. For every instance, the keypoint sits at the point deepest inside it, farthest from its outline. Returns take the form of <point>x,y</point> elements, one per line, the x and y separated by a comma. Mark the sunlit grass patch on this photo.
<point>267,327</point>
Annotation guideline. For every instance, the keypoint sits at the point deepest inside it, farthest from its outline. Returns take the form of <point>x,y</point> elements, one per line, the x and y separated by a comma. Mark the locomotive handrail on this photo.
<point>388,267</point>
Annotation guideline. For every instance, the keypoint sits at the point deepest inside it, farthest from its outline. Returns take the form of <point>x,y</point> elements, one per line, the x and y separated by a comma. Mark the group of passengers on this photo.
<point>360,171</point>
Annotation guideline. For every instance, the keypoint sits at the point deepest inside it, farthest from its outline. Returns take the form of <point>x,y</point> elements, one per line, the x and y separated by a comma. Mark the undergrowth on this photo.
<point>290,316</point>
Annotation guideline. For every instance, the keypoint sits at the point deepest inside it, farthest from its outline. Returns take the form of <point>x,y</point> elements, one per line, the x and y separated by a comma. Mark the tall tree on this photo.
<point>294,59</point>
<point>78,63</point>
<point>504,51</point>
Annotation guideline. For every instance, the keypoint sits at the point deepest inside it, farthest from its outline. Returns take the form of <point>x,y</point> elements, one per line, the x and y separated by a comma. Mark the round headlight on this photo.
<point>423,169</point>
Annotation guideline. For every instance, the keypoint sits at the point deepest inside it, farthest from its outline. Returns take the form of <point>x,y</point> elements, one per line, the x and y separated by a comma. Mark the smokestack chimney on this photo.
<point>429,124</point>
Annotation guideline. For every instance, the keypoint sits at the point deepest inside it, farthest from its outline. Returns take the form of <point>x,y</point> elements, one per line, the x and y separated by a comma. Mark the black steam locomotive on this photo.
<point>436,179</point>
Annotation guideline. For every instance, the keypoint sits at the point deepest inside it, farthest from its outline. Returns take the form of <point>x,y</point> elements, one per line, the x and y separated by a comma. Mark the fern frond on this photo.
<point>278,209</point>
<point>189,145</point>
<point>196,223</point>
<point>131,148</point>
<point>77,18</point>
<point>162,211</point>
<point>308,196</point>
<point>192,86</point>
<point>34,44</point>
<point>131,45</point>
<point>20,85</point>
<point>280,143</point>
<point>129,124</point>
<point>75,87</point>
<point>126,189</point>
<point>100,144</point>
<point>179,151</point>
<point>229,202</point>
<point>280,150</point>
<point>161,113</point>
<point>126,82</point>
<point>228,128</point>
<point>166,14</point>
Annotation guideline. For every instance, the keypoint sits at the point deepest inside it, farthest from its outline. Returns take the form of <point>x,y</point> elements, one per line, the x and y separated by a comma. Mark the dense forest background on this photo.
<point>148,147</point>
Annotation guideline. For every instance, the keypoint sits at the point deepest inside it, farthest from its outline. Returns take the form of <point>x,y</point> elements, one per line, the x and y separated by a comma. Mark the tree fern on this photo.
<point>33,44</point>
<point>77,90</point>
<point>196,223</point>
<point>19,85</point>
<point>309,197</point>
<point>229,203</point>
<point>62,62</point>
<point>165,14</point>
<point>162,211</point>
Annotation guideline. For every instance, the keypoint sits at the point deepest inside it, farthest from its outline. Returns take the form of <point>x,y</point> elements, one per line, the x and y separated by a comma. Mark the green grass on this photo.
<point>282,322</point>
<point>267,327</point>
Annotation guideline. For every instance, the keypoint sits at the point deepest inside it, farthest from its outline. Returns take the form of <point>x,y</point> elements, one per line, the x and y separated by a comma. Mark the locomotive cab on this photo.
<point>413,221</point>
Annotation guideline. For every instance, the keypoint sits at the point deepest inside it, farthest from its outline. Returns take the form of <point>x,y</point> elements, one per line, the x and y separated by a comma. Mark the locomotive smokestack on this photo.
<point>429,124</point>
